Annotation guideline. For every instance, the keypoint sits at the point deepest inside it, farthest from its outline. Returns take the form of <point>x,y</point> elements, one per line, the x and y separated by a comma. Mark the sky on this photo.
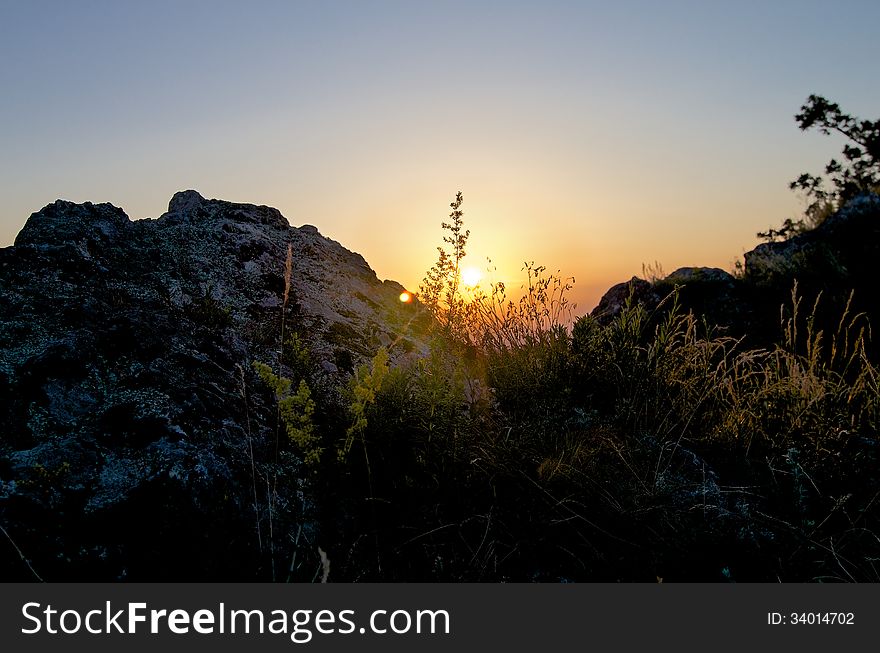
<point>589,137</point>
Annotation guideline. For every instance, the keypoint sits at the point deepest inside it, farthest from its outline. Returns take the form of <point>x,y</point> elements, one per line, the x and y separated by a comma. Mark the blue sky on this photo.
<point>588,136</point>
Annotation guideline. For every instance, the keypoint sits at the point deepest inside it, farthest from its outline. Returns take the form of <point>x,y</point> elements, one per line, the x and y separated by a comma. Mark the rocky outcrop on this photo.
<point>832,261</point>
<point>136,434</point>
<point>843,248</point>
<point>632,292</point>
<point>690,283</point>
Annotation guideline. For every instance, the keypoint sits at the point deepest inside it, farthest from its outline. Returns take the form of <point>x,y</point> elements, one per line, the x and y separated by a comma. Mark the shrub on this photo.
<point>297,411</point>
<point>439,292</point>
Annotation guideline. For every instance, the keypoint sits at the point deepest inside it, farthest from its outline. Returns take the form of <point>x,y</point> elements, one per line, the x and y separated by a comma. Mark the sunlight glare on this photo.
<point>470,277</point>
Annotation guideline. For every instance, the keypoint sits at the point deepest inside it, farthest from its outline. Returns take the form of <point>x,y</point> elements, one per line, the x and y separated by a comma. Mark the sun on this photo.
<point>405,297</point>
<point>470,277</point>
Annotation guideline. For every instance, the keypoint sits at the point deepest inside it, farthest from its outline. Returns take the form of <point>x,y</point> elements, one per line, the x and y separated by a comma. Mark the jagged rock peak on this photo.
<point>126,351</point>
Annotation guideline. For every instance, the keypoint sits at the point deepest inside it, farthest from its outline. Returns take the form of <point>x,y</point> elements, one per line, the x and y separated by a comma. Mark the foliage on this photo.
<point>297,410</point>
<point>367,382</point>
<point>860,170</point>
<point>297,357</point>
<point>858,173</point>
<point>645,447</point>
<point>439,290</point>
<point>497,323</point>
<point>209,313</point>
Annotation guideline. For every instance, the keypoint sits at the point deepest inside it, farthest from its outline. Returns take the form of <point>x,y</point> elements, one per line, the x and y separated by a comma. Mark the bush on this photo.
<point>647,447</point>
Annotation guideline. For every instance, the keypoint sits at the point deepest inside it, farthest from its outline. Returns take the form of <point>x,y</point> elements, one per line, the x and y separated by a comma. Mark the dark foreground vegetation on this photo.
<point>648,447</point>
<point>651,445</point>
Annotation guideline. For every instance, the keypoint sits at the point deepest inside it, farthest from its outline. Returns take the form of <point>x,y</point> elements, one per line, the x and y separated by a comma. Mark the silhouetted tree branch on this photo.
<point>858,173</point>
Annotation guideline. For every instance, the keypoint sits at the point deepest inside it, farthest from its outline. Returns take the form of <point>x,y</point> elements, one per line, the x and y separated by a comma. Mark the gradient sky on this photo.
<point>592,137</point>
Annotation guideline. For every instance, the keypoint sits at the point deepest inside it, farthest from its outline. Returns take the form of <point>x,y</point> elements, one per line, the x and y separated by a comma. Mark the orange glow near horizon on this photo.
<point>618,137</point>
<point>599,243</point>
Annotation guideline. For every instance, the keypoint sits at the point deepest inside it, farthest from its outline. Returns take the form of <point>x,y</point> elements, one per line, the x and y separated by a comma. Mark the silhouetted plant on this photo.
<point>496,322</point>
<point>860,170</point>
<point>439,292</point>
<point>857,173</point>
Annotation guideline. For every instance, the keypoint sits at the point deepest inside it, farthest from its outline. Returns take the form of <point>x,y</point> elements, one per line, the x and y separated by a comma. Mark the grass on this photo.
<point>646,448</point>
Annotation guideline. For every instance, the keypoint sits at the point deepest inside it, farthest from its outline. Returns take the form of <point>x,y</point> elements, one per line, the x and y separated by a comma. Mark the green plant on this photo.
<point>366,384</point>
<point>649,445</point>
<point>437,392</point>
<point>297,411</point>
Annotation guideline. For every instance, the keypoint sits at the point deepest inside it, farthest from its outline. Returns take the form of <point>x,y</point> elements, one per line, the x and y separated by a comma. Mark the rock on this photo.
<point>683,276</point>
<point>833,261</point>
<point>843,248</point>
<point>694,285</point>
<point>185,202</point>
<point>133,419</point>
<point>615,299</point>
<point>836,263</point>
<point>66,223</point>
<point>709,292</point>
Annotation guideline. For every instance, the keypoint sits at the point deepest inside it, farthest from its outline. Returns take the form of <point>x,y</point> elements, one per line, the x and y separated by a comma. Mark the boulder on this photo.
<point>136,432</point>
<point>683,276</point>
<point>616,298</point>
